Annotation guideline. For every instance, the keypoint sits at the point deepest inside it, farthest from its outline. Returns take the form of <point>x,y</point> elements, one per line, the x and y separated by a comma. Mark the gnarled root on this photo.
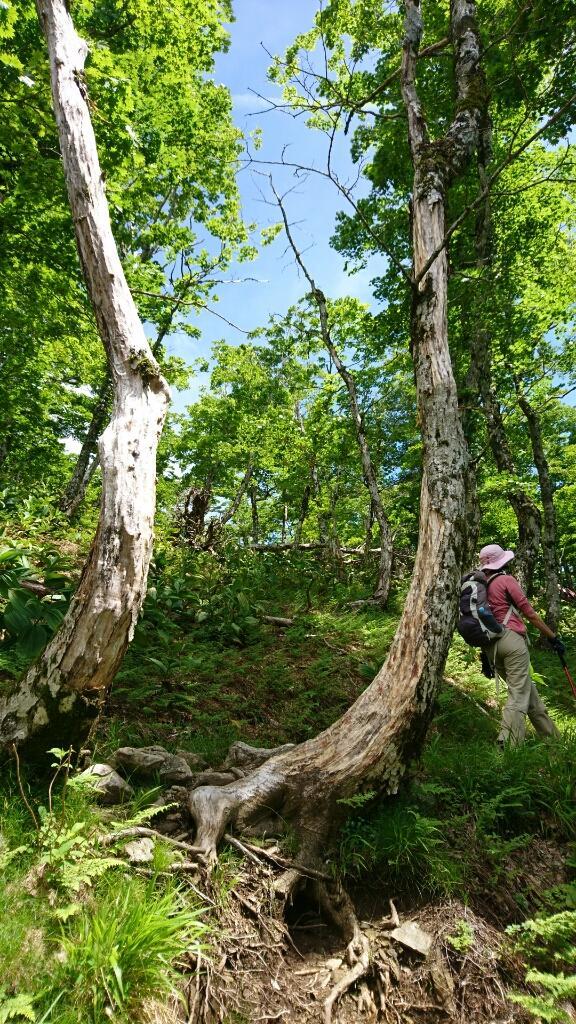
<point>242,802</point>
<point>339,907</point>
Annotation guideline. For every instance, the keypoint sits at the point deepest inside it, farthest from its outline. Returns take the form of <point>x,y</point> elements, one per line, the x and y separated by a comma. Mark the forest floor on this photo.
<point>470,848</point>
<point>477,841</point>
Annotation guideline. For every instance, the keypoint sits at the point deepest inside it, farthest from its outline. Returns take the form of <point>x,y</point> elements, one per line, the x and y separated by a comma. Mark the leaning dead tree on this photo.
<point>382,588</point>
<point>370,746</point>
<point>63,691</point>
<point>202,534</point>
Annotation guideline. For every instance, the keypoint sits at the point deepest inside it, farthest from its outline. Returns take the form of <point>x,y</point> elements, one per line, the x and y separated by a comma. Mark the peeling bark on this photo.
<point>87,461</point>
<point>63,691</point>
<point>371,745</point>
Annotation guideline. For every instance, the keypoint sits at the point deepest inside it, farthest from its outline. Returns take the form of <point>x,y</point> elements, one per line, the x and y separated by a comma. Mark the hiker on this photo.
<point>509,653</point>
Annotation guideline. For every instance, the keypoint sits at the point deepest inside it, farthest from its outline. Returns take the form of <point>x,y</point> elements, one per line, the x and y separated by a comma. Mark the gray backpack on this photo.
<point>476,622</point>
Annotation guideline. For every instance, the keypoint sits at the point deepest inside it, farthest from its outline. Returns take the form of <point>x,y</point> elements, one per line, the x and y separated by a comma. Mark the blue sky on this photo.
<point>260,26</point>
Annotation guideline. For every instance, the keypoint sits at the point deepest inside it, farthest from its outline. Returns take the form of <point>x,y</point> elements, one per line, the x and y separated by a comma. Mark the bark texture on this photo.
<point>63,691</point>
<point>549,556</point>
<point>87,461</point>
<point>471,397</point>
<point>371,745</point>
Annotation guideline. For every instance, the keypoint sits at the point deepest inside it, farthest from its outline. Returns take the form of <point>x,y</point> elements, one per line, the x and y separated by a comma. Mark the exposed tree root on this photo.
<point>260,968</point>
<point>339,907</point>
<point>287,943</point>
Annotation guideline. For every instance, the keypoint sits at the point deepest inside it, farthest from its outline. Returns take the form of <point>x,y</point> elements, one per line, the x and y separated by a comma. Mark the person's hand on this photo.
<point>557,645</point>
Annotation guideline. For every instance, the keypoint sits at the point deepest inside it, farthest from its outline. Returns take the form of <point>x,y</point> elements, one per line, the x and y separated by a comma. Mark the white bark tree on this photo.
<point>372,744</point>
<point>63,691</point>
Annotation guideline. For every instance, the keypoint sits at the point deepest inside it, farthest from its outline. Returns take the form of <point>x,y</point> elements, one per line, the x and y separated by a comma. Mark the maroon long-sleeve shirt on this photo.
<point>504,591</point>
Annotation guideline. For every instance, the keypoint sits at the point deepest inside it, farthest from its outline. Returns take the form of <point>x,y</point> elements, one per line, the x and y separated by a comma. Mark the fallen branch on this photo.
<point>243,850</point>
<point>140,831</point>
<point>315,545</point>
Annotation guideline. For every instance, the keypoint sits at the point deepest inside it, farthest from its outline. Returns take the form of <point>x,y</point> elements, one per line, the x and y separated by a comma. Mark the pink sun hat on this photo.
<point>494,557</point>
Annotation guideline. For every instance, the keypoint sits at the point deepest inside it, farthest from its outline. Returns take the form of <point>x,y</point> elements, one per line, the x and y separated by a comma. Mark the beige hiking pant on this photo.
<point>513,664</point>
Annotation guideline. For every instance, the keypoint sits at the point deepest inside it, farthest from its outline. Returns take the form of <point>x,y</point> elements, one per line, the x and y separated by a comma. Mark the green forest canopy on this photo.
<point>264,498</point>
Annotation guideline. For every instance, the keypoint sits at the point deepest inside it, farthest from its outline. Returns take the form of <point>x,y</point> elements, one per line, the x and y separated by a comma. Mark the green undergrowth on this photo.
<point>85,937</point>
<point>206,669</point>
<point>494,828</point>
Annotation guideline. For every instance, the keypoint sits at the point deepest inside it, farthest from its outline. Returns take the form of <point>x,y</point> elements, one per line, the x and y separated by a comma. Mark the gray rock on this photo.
<point>194,761</point>
<point>144,761</point>
<point>107,785</point>
<point>140,851</point>
<point>413,937</point>
<point>175,771</point>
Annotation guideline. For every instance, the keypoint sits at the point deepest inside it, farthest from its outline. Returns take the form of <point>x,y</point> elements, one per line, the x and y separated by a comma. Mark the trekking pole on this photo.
<point>567,674</point>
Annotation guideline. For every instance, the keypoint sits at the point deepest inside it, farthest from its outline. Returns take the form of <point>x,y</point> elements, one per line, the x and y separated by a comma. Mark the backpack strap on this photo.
<point>509,614</point>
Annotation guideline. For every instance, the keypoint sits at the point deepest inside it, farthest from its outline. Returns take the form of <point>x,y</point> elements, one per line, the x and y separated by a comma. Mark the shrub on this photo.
<point>549,946</point>
<point>407,847</point>
<point>123,952</point>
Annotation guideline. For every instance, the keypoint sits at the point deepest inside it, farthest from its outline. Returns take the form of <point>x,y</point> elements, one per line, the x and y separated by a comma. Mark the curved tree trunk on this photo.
<point>527,513</point>
<point>63,691</point>
<point>549,556</point>
<point>382,588</point>
<point>371,745</point>
<point>471,397</point>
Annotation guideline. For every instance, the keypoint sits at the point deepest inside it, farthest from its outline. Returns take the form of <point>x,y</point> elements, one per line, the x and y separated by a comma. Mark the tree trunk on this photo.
<point>386,547</point>
<point>4,448</point>
<point>252,494</point>
<point>525,509</point>
<point>63,691</point>
<point>88,455</point>
<point>304,506</point>
<point>371,745</point>
<point>215,526</point>
<point>87,460</point>
<point>479,384</point>
<point>549,556</point>
<point>471,397</point>
<point>382,588</point>
<point>194,509</point>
